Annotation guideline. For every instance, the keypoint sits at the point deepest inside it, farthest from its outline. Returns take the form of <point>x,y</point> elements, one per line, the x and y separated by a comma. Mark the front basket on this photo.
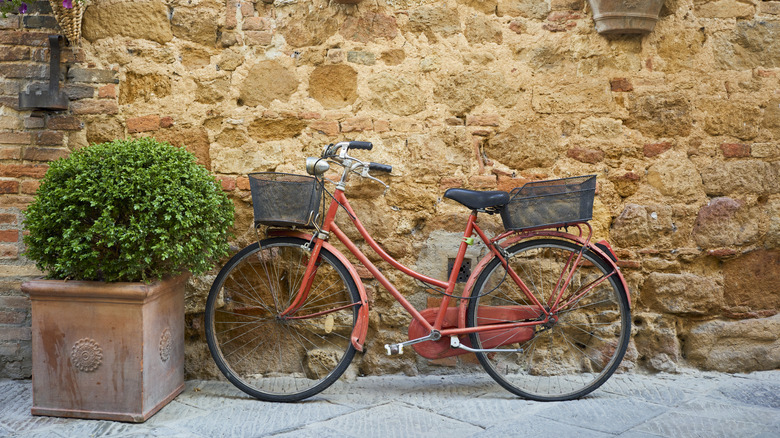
<point>285,200</point>
<point>549,203</point>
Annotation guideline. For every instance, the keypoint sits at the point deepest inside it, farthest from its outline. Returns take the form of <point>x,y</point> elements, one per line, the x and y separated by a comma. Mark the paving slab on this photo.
<point>630,405</point>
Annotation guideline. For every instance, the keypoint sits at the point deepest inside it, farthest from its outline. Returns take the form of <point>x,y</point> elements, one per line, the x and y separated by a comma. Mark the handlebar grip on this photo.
<point>380,167</point>
<point>365,145</point>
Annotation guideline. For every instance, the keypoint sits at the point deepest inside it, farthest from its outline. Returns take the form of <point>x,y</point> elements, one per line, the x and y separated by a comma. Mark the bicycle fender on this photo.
<point>544,233</point>
<point>360,330</point>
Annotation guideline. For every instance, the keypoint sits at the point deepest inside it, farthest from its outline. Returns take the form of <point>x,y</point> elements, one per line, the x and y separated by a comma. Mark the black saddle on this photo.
<point>476,200</point>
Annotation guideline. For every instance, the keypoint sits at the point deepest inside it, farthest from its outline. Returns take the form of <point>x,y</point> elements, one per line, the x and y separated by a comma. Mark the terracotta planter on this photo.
<point>625,16</point>
<point>112,351</point>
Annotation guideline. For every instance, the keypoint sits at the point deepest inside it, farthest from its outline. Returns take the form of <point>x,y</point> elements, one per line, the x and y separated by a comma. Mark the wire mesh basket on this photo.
<point>285,200</point>
<point>552,202</point>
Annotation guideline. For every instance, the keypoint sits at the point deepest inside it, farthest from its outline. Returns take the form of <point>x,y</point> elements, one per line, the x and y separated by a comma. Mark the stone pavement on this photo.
<point>690,404</point>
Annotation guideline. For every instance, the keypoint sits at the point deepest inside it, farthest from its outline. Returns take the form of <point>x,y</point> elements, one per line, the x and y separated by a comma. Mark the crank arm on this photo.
<point>455,343</point>
<point>399,348</point>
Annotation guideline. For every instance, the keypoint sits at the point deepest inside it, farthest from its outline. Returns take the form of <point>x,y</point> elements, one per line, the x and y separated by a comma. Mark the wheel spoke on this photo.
<point>272,357</point>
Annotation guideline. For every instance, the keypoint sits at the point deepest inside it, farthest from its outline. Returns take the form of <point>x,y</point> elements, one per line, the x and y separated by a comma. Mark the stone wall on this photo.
<point>682,127</point>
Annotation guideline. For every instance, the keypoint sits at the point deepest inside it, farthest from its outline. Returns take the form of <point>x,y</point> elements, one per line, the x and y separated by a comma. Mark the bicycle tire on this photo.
<point>268,356</point>
<point>565,360</point>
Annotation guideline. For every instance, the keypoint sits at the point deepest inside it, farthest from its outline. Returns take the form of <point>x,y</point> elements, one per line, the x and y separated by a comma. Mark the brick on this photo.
<point>381,125</point>
<point>230,15</point>
<point>566,5</point>
<point>228,182</point>
<point>653,149</point>
<point>8,219</point>
<point>590,156</point>
<point>93,75</point>
<point>16,201</point>
<point>482,182</point>
<point>482,120</point>
<point>258,38</point>
<point>621,85</point>
<point>143,124</point>
<point>49,138</point>
<point>65,123</point>
<point>21,38</point>
<point>92,106</point>
<point>451,183</point>
<point>28,71</point>
<point>327,127</point>
<point>23,170</point>
<point>247,9</point>
<point>256,23</point>
<point>78,92</point>
<point>14,302</point>
<point>9,235</point>
<point>107,91</point>
<point>16,334</point>
<point>11,153</point>
<point>44,154</point>
<point>735,150</point>
<point>242,182</point>
<point>11,22</point>
<point>507,183</point>
<point>15,138</point>
<point>9,186</point>
<point>357,124</point>
<point>30,187</point>
<point>40,22</point>
<point>9,252</point>
<point>10,122</point>
<point>166,122</point>
<point>10,102</point>
<point>34,122</point>
<point>769,8</point>
<point>15,53</point>
<point>9,317</point>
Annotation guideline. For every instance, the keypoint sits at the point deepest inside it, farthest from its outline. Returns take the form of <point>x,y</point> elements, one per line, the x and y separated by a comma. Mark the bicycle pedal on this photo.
<point>394,349</point>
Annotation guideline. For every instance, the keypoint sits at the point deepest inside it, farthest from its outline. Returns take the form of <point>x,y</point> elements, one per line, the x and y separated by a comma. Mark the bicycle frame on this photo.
<point>496,247</point>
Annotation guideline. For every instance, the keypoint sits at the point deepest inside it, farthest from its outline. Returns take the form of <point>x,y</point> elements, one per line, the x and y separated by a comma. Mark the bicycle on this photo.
<point>547,313</point>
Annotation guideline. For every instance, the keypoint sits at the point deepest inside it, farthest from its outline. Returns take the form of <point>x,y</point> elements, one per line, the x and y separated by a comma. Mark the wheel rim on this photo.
<point>275,356</point>
<point>585,343</point>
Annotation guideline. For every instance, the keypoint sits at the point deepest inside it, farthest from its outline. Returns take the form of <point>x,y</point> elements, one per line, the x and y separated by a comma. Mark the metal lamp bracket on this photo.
<point>36,97</point>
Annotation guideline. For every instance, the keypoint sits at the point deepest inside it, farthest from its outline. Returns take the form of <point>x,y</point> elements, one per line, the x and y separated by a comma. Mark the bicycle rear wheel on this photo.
<point>565,359</point>
<point>264,353</point>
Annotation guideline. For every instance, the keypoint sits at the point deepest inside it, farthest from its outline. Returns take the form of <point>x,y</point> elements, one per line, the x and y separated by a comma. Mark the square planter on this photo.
<point>112,351</point>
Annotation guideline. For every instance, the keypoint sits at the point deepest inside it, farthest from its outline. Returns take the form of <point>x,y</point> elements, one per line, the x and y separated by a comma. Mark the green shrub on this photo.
<point>127,210</point>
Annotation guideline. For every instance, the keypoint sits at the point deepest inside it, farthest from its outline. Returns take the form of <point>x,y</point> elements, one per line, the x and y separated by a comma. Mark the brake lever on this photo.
<point>364,173</point>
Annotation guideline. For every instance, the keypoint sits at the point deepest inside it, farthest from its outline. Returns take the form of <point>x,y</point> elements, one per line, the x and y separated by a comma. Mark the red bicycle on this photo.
<point>546,312</point>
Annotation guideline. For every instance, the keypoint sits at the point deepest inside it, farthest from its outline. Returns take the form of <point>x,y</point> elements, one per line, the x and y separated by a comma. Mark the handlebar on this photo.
<point>338,153</point>
<point>379,167</point>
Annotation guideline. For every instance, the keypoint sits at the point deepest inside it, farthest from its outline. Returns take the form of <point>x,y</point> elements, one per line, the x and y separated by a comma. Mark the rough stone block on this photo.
<point>752,283</point>
<point>724,222</point>
<point>686,294</point>
<point>739,176</point>
<point>735,346</point>
<point>106,20</point>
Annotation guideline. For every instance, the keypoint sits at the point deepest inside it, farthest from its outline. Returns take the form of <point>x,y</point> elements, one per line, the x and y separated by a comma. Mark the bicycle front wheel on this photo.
<point>586,338</point>
<point>262,347</point>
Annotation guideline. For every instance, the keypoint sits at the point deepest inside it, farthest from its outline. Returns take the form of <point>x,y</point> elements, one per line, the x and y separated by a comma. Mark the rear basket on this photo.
<point>548,203</point>
<point>285,200</point>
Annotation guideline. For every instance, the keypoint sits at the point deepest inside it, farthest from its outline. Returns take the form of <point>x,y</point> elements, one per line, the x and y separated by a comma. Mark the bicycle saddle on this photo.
<point>477,200</point>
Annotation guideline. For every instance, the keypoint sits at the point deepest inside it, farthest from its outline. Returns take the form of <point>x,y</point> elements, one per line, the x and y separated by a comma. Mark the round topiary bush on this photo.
<point>127,210</point>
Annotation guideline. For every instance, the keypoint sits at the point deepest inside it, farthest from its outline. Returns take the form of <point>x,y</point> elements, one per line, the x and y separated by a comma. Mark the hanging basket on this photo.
<point>625,16</point>
<point>69,19</point>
